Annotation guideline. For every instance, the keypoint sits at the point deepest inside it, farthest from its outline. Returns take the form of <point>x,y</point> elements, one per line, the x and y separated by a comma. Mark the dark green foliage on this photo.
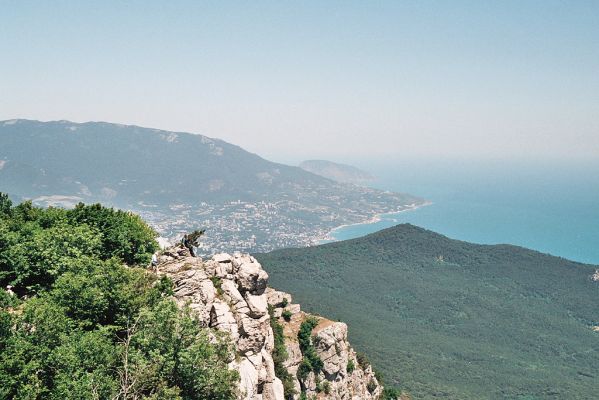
<point>350,366</point>
<point>371,386</point>
<point>279,355</point>
<point>390,393</point>
<point>322,386</point>
<point>91,327</point>
<point>217,282</point>
<point>489,322</point>
<point>286,314</point>
<point>5,204</point>
<point>124,234</point>
<point>362,360</point>
<point>285,302</point>
<point>305,332</point>
<point>326,387</point>
<point>310,361</point>
<point>194,237</point>
<point>38,245</point>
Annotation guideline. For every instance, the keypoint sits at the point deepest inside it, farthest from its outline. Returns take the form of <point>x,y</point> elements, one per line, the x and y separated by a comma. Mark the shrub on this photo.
<point>124,234</point>
<point>350,366</point>
<point>218,284</point>
<point>39,245</point>
<point>310,361</point>
<point>279,355</point>
<point>371,386</point>
<point>326,387</point>
<point>390,393</point>
<point>362,360</point>
<point>286,315</point>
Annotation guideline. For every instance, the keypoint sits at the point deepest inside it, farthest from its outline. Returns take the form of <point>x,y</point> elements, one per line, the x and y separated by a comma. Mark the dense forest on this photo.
<point>443,318</point>
<point>82,318</point>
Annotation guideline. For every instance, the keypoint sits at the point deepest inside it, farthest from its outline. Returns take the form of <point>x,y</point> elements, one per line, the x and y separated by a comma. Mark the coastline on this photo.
<point>329,236</point>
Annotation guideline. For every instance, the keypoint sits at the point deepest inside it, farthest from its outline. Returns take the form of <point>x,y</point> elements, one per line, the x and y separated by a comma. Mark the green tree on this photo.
<point>91,327</point>
<point>124,235</point>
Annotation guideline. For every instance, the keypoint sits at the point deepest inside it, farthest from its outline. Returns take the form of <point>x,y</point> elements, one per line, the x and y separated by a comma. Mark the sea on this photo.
<point>551,206</point>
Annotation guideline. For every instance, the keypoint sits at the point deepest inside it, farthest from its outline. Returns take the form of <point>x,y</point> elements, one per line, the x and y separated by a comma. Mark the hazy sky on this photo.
<point>338,80</point>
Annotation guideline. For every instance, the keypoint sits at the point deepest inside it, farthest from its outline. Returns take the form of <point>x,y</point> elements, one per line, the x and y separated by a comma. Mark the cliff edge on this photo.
<point>230,293</point>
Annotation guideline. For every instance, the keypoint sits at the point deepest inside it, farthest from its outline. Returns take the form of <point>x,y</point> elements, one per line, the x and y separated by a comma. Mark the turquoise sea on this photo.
<point>551,206</point>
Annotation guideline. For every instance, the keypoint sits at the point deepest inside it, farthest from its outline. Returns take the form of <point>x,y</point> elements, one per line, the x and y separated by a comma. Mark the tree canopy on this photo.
<point>85,320</point>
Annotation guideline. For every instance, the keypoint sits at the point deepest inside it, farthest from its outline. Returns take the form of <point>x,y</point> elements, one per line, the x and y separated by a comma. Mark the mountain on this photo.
<point>337,172</point>
<point>449,319</point>
<point>179,181</point>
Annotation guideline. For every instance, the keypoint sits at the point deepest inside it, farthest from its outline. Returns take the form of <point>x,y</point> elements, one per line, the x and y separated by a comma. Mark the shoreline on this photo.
<point>329,238</point>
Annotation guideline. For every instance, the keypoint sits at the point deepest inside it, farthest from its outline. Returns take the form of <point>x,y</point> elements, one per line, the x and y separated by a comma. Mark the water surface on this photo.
<point>552,207</point>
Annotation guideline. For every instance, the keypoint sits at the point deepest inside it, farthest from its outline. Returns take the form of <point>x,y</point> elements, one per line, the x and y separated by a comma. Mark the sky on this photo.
<point>317,79</point>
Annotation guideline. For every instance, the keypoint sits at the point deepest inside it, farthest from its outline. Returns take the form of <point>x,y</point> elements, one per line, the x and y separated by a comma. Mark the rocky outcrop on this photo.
<point>230,293</point>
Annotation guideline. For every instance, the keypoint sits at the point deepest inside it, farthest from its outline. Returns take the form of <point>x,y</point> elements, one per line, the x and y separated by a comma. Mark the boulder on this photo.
<point>248,377</point>
<point>252,334</point>
<point>252,278</point>
<point>257,305</point>
<point>276,298</point>
<point>222,258</point>
<point>274,390</point>
<point>222,319</point>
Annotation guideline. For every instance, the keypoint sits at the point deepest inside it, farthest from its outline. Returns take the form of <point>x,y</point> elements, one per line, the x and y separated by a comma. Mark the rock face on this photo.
<point>230,293</point>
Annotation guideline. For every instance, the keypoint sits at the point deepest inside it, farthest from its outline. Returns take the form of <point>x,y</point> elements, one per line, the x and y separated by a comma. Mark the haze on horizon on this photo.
<point>311,80</point>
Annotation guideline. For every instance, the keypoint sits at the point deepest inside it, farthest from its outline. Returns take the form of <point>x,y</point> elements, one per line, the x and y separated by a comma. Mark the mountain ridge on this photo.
<point>338,172</point>
<point>178,181</point>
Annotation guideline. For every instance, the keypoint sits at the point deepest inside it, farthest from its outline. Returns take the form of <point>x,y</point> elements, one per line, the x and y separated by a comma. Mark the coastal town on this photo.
<point>256,226</point>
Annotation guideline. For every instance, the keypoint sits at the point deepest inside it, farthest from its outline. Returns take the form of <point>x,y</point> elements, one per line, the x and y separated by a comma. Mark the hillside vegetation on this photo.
<point>83,319</point>
<point>448,319</point>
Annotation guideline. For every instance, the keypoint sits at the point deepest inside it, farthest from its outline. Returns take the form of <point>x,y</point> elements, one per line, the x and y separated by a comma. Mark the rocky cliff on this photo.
<point>230,293</point>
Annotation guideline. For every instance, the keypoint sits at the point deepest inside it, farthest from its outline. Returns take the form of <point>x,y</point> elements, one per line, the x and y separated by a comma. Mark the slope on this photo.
<point>454,320</point>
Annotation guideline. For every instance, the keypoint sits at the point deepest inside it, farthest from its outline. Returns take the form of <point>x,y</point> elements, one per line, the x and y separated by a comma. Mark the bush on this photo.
<point>38,245</point>
<point>218,285</point>
<point>326,387</point>
<point>390,394</point>
<point>279,355</point>
<point>124,234</point>
<point>350,366</point>
<point>310,362</point>
<point>286,315</point>
<point>371,386</point>
<point>362,360</point>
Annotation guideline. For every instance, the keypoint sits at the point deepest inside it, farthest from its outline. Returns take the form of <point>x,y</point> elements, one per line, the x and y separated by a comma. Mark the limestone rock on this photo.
<point>239,307</point>
<point>252,278</point>
<point>257,305</point>
<point>276,298</point>
<point>223,258</point>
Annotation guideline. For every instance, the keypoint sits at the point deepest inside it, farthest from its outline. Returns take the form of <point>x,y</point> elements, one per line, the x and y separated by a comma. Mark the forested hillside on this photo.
<point>449,319</point>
